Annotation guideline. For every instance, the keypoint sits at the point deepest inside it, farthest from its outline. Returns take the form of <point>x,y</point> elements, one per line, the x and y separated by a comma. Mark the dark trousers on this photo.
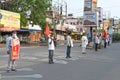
<point>108,43</point>
<point>96,46</point>
<point>68,52</point>
<point>51,53</point>
<point>55,43</point>
<point>105,43</point>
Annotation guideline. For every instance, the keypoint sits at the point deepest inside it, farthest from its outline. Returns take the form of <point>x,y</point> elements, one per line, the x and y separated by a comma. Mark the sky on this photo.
<point>110,7</point>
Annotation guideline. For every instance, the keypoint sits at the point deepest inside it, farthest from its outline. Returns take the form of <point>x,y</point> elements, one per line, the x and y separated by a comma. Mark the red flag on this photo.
<point>104,34</point>
<point>47,30</point>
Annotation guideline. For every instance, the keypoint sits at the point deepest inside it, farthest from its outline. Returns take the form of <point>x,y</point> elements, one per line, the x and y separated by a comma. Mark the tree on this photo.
<point>37,8</point>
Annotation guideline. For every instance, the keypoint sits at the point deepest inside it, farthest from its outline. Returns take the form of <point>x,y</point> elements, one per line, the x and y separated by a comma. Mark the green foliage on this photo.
<point>116,37</point>
<point>38,10</point>
<point>100,30</point>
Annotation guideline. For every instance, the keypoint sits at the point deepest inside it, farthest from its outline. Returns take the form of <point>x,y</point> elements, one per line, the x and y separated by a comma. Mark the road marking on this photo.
<point>22,76</point>
<point>60,61</point>
<point>22,69</point>
<point>25,69</point>
<point>29,58</point>
<point>74,59</point>
<point>60,57</point>
<point>3,66</point>
<point>56,61</point>
<point>3,56</point>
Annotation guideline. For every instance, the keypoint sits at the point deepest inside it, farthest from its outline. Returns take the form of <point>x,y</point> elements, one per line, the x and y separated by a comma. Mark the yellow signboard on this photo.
<point>94,5</point>
<point>10,20</point>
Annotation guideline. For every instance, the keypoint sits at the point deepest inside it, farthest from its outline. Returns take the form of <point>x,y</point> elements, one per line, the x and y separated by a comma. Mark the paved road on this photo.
<point>33,64</point>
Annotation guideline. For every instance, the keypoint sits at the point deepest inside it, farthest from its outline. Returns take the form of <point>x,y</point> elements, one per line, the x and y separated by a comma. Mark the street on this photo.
<point>33,64</point>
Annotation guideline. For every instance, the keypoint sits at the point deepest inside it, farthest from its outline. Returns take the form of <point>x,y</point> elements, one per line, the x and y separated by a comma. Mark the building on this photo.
<point>74,24</point>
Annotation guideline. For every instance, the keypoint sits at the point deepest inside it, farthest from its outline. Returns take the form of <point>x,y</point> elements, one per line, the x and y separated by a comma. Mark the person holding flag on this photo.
<point>51,46</point>
<point>104,37</point>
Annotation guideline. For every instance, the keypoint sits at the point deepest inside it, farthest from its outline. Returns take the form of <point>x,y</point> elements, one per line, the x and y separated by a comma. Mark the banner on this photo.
<point>15,49</point>
<point>87,5</point>
<point>9,21</point>
<point>90,13</point>
<point>90,19</point>
<point>94,5</point>
<point>100,13</point>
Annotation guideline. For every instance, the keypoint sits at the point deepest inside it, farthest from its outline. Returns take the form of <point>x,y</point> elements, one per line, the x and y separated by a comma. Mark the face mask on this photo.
<point>14,36</point>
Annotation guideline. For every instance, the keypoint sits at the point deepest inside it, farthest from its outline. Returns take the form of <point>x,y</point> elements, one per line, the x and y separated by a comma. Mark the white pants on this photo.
<point>83,49</point>
<point>11,63</point>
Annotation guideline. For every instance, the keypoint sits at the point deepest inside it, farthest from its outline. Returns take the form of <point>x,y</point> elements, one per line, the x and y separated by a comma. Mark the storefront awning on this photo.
<point>34,27</point>
<point>24,30</point>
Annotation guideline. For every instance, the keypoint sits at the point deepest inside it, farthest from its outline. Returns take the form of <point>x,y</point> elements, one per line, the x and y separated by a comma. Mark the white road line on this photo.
<point>22,76</point>
<point>22,69</point>
<point>3,66</point>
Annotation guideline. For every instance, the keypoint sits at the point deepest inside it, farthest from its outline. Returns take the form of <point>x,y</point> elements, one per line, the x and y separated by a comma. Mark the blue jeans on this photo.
<point>68,51</point>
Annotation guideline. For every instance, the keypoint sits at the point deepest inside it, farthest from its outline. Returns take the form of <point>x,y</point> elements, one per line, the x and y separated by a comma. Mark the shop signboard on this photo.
<point>10,20</point>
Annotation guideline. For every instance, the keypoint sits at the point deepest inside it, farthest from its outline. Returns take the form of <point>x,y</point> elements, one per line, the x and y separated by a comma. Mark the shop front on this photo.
<point>35,33</point>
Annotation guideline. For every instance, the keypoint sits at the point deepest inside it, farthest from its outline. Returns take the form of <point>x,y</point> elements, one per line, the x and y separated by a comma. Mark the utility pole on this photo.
<point>61,9</point>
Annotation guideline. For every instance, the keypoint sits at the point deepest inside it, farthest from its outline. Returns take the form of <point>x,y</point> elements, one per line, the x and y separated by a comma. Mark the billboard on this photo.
<point>9,21</point>
<point>100,13</point>
<point>90,13</point>
<point>87,5</point>
<point>94,5</point>
<point>90,19</point>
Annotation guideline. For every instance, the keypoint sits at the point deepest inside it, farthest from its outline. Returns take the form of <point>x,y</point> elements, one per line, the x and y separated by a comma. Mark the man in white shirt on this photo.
<point>96,42</point>
<point>69,45</point>
<point>51,48</point>
<point>84,43</point>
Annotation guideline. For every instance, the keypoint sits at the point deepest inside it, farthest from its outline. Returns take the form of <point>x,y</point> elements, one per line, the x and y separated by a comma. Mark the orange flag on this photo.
<point>47,30</point>
<point>104,34</point>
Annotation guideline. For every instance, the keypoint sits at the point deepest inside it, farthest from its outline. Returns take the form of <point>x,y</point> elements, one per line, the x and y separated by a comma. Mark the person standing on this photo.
<point>51,48</point>
<point>69,45</point>
<point>104,37</point>
<point>96,42</point>
<point>84,43</point>
<point>105,42</point>
<point>108,39</point>
<point>9,45</point>
<point>100,41</point>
